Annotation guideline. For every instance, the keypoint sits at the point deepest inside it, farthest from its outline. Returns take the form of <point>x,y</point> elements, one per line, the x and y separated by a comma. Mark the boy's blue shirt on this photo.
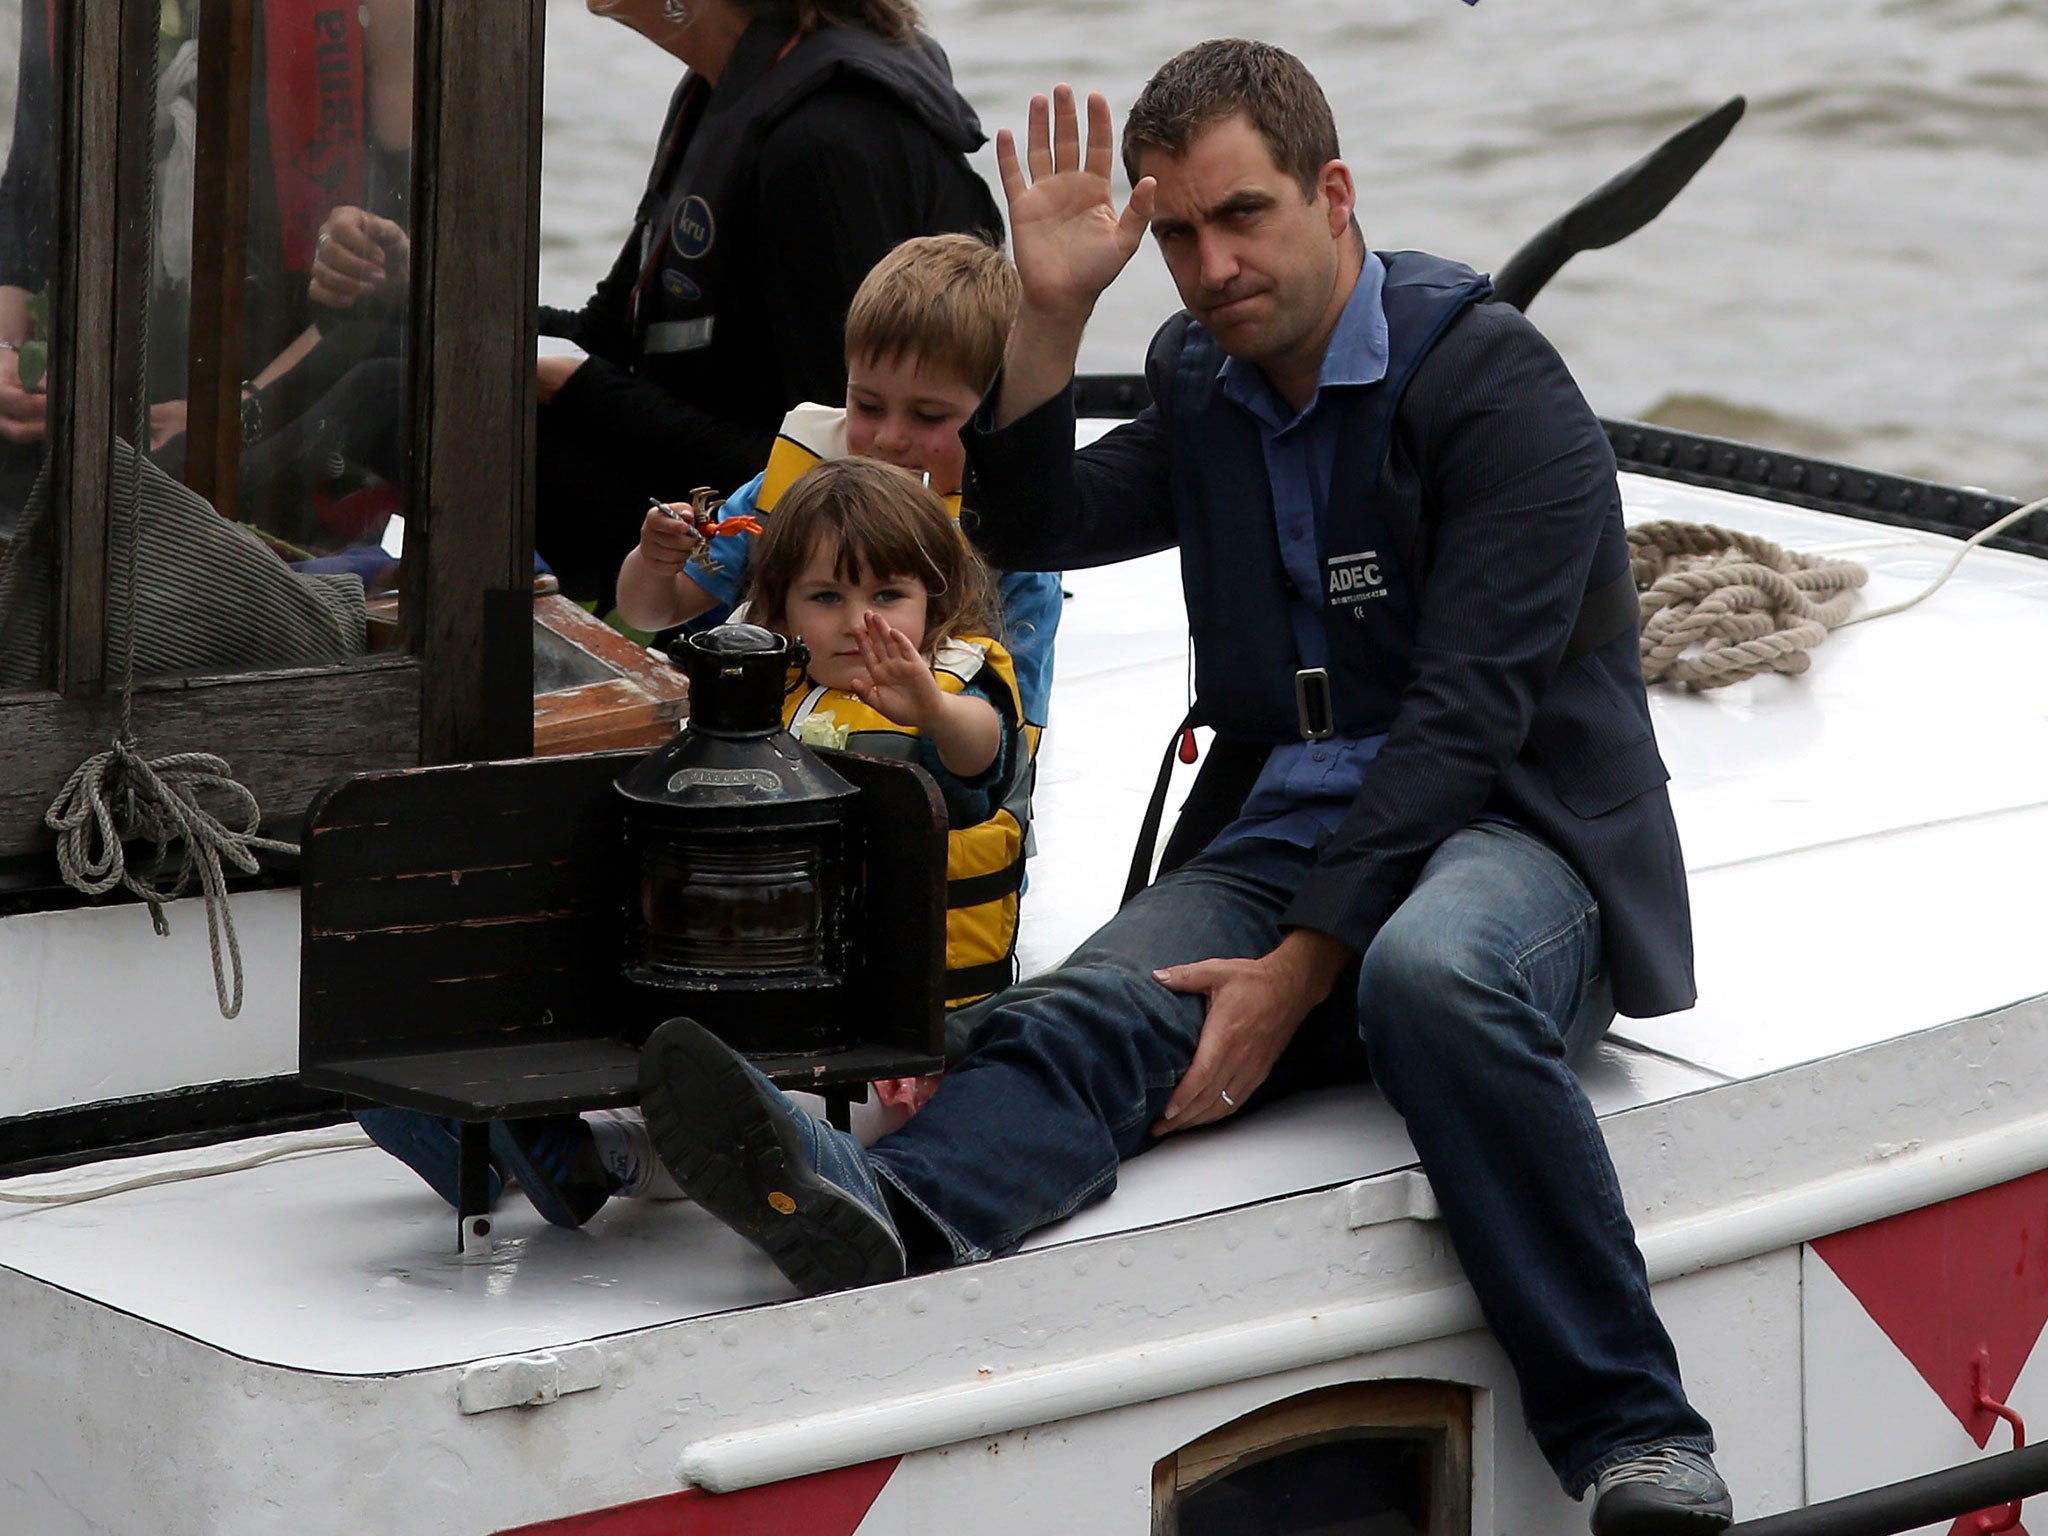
<point>724,573</point>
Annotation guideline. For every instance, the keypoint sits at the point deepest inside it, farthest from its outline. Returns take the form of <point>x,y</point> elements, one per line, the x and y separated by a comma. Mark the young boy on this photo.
<point>924,337</point>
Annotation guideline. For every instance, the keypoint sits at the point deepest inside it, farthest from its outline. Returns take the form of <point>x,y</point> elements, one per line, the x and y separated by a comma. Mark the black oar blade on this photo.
<point>1618,207</point>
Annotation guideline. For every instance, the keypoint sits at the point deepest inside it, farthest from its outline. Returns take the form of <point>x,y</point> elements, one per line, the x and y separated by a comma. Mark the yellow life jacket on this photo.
<point>984,862</point>
<point>809,435</point>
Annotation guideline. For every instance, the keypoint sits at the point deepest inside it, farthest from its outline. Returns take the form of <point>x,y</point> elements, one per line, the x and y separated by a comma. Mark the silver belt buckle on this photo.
<point>1312,704</point>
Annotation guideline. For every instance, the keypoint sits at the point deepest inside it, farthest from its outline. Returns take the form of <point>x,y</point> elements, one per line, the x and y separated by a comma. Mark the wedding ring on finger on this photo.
<point>1224,1095</point>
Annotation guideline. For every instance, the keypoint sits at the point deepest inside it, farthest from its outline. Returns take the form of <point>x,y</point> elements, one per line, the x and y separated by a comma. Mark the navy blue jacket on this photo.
<point>1498,477</point>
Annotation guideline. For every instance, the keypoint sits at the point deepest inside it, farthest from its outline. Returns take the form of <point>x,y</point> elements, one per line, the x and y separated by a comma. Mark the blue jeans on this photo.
<point>1469,1008</point>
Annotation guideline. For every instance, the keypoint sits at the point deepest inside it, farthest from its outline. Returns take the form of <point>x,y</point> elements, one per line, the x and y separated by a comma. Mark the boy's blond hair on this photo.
<point>946,301</point>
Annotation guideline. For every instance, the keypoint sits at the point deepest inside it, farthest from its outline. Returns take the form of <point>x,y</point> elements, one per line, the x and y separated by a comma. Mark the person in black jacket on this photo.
<point>806,141</point>
<point>1450,853</point>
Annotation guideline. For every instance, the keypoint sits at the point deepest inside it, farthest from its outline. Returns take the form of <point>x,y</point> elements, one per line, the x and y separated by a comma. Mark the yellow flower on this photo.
<point>821,730</point>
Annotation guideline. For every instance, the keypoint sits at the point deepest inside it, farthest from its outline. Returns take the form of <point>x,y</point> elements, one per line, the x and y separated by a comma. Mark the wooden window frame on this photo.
<point>1436,1412</point>
<point>461,687</point>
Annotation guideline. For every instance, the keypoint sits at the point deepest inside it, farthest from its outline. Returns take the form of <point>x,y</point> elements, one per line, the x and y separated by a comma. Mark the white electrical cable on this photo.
<point>179,1175</point>
<point>1974,540</point>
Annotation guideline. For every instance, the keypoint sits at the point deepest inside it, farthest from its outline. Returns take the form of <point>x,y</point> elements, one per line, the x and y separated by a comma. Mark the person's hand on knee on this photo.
<point>1254,1008</point>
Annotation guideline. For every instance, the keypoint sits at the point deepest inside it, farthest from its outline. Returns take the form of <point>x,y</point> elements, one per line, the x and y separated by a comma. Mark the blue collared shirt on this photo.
<point>1306,787</point>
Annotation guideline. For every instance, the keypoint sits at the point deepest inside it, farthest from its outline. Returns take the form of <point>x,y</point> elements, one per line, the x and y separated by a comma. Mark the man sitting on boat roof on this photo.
<point>1449,849</point>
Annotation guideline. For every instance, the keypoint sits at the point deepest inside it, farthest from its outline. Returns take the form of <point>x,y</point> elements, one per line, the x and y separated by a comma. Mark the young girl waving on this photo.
<point>865,566</point>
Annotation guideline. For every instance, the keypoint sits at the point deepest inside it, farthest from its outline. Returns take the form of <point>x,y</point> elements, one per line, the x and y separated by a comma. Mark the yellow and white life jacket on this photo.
<point>984,862</point>
<point>809,435</point>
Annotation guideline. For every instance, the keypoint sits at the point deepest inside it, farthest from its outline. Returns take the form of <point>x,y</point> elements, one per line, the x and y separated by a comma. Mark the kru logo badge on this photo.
<point>1352,579</point>
<point>692,230</point>
<point>680,286</point>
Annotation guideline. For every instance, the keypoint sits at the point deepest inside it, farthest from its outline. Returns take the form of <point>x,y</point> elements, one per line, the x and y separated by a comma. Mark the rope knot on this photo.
<point>1719,606</point>
<point>118,797</point>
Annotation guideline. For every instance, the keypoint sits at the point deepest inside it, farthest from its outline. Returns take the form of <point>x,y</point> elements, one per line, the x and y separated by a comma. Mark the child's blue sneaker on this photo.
<point>554,1159</point>
<point>427,1144</point>
<point>804,1192</point>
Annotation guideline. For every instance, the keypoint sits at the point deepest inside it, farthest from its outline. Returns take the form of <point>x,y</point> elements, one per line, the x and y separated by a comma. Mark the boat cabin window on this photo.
<point>1363,1459</point>
<point>270,243</point>
<point>274,381</point>
<point>297,342</point>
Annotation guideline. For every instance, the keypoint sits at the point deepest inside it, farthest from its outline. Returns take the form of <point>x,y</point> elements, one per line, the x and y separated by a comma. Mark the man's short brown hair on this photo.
<point>1214,81</point>
<point>945,300</point>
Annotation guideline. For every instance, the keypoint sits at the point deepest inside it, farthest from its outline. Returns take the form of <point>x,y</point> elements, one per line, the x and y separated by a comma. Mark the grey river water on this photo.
<point>1862,272</point>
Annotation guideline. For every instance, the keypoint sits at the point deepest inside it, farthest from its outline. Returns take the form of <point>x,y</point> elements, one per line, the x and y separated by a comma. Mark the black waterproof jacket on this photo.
<point>771,198</point>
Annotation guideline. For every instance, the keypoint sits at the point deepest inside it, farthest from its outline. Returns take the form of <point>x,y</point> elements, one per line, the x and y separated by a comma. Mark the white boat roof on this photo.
<point>1862,841</point>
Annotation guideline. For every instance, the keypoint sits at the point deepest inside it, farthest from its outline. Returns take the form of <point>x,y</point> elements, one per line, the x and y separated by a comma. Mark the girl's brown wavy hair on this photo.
<point>879,522</point>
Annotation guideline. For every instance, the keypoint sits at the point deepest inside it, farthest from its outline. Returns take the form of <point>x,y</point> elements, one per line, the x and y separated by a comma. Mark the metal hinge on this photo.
<point>529,1381</point>
<point>1403,1196</point>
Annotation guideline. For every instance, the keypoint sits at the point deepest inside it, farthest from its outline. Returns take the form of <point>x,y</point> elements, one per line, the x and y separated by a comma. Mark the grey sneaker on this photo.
<point>1661,1491</point>
<point>799,1189</point>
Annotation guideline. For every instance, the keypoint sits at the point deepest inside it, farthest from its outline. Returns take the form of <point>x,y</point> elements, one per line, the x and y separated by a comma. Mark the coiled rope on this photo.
<point>1719,606</point>
<point>118,796</point>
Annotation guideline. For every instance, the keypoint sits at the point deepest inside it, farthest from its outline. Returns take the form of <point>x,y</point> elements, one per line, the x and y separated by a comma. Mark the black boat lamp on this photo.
<point>744,856</point>
<point>752,863</point>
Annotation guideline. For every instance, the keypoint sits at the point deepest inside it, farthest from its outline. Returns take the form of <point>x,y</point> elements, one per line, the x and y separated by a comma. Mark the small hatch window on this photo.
<point>1363,1459</point>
